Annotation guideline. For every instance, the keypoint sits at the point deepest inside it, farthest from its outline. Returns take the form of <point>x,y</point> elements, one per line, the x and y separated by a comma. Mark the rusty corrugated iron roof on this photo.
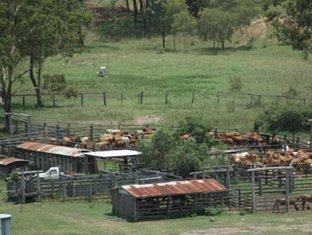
<point>8,160</point>
<point>52,149</point>
<point>174,188</point>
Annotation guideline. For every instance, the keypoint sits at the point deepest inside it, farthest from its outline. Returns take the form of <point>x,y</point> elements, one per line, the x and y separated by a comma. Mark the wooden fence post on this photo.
<point>68,129</point>
<point>91,132</point>
<point>81,99</point>
<point>74,187</point>
<point>90,193</point>
<point>58,133</point>
<point>218,97</point>
<point>166,97</point>
<point>193,97</point>
<point>228,177</point>
<point>24,101</point>
<point>253,191</point>
<point>38,187</point>
<point>53,100</point>
<point>104,99</point>
<point>215,133</point>
<point>23,187</point>
<point>64,192</point>
<point>141,97</point>
<point>239,198</point>
<point>287,189</point>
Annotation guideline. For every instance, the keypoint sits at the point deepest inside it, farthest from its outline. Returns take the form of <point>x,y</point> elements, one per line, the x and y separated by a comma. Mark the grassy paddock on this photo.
<point>95,218</point>
<point>136,64</point>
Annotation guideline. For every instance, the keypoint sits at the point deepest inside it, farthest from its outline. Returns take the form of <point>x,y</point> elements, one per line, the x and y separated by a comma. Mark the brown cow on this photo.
<point>282,202</point>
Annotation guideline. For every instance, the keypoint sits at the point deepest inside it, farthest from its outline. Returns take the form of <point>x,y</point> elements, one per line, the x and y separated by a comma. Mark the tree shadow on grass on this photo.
<point>123,28</point>
<point>220,51</point>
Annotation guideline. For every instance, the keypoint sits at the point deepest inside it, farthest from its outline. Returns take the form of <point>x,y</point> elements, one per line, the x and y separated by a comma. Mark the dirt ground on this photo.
<point>282,228</point>
<point>148,119</point>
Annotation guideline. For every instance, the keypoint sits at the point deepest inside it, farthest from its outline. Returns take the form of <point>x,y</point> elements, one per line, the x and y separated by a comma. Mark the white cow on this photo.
<point>102,71</point>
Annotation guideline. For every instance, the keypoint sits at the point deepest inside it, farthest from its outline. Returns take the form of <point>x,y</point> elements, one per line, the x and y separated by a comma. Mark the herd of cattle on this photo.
<point>118,139</point>
<point>111,139</point>
<point>296,158</point>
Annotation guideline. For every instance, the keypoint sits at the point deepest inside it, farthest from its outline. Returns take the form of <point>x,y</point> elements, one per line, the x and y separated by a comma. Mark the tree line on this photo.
<point>216,20</point>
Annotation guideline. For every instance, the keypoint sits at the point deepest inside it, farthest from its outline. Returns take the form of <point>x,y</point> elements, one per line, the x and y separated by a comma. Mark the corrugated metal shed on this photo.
<point>52,149</point>
<point>175,188</point>
<point>8,160</point>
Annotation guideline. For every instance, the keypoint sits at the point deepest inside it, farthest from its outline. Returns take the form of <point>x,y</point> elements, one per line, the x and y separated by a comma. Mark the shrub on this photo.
<point>285,117</point>
<point>235,84</point>
<point>195,127</point>
<point>14,176</point>
<point>213,211</point>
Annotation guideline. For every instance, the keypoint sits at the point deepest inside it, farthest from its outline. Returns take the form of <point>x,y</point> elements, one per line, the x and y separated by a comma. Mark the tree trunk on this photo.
<point>127,5</point>
<point>135,11</point>
<point>222,44</point>
<point>142,9</point>
<point>7,98</point>
<point>163,35</point>
<point>174,41</point>
<point>7,109</point>
<point>35,83</point>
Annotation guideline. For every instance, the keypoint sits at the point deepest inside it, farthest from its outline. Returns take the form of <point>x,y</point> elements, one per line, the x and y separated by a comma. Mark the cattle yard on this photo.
<point>100,163</point>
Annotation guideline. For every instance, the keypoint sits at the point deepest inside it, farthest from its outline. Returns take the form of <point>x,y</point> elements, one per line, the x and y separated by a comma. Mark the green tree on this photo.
<point>160,13</point>
<point>292,20</point>
<point>216,25</point>
<point>219,19</point>
<point>287,117</point>
<point>183,23</point>
<point>12,21</point>
<point>53,27</point>
<point>157,152</point>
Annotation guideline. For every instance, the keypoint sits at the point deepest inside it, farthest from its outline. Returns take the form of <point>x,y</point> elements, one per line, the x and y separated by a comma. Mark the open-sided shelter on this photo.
<point>167,199</point>
<point>43,156</point>
<point>8,164</point>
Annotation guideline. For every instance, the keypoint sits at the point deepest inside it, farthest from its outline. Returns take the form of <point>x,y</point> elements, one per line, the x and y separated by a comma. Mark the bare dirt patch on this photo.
<point>148,119</point>
<point>258,229</point>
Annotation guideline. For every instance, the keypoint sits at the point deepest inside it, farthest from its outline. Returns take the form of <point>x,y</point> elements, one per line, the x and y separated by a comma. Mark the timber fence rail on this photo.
<point>267,190</point>
<point>80,186</point>
<point>166,97</point>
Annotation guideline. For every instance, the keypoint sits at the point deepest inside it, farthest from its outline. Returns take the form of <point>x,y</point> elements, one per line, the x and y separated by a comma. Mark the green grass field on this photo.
<point>138,64</point>
<point>94,218</point>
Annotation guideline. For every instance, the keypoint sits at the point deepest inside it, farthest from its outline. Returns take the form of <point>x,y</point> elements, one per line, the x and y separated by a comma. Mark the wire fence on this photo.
<point>158,98</point>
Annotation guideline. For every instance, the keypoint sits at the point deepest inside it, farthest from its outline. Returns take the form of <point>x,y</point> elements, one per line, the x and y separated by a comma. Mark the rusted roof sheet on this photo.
<point>52,149</point>
<point>8,160</point>
<point>175,188</point>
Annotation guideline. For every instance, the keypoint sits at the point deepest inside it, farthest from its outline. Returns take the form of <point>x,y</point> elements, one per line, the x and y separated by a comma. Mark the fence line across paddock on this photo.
<point>166,97</point>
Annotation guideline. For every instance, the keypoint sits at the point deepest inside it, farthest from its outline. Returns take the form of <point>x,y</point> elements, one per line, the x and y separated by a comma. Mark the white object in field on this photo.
<point>51,174</point>
<point>102,71</point>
